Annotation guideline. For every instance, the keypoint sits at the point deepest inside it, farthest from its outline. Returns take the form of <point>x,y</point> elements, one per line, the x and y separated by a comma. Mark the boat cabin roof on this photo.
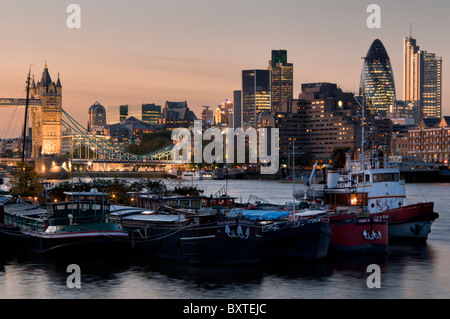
<point>155,217</point>
<point>24,209</point>
<point>309,213</point>
<point>86,194</point>
<point>262,214</point>
<point>376,171</point>
<point>176,197</point>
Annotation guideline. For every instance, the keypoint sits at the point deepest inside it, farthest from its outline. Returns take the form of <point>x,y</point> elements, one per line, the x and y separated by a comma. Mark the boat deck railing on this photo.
<point>26,223</point>
<point>40,224</point>
<point>370,163</point>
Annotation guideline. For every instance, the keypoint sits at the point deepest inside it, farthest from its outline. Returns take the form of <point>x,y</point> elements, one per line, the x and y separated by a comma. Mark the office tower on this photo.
<point>430,87</point>
<point>96,118</point>
<point>409,50</point>
<point>321,119</point>
<point>147,113</point>
<point>422,79</point>
<point>150,113</point>
<point>377,80</point>
<point>282,78</point>
<point>116,114</point>
<point>404,112</point>
<point>207,116</point>
<point>324,118</point>
<point>237,109</point>
<point>177,114</point>
<point>224,113</point>
<point>256,95</point>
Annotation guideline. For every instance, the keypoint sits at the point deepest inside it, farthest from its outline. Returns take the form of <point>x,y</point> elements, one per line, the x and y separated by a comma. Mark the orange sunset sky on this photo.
<point>132,52</point>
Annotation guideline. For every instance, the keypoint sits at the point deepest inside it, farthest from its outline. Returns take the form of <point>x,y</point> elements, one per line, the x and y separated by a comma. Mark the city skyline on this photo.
<point>134,53</point>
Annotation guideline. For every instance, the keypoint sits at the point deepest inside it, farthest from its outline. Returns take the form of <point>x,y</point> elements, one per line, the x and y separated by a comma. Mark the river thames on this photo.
<point>409,271</point>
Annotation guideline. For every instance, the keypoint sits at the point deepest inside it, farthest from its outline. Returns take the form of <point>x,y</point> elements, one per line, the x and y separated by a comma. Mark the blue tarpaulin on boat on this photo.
<point>264,214</point>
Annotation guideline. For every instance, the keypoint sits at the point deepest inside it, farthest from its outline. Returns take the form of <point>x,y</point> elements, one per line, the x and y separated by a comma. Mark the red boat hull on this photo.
<point>410,222</point>
<point>359,236</point>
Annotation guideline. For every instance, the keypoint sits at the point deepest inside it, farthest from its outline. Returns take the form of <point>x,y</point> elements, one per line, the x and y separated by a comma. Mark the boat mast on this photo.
<point>363,139</point>
<point>293,175</point>
<point>24,134</point>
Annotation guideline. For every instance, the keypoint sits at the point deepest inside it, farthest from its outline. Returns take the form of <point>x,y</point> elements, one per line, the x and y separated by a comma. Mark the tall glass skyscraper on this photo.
<point>282,78</point>
<point>422,79</point>
<point>256,95</point>
<point>377,80</point>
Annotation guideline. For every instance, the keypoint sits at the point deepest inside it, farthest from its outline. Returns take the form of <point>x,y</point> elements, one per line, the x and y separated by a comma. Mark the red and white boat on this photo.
<point>374,184</point>
<point>352,234</point>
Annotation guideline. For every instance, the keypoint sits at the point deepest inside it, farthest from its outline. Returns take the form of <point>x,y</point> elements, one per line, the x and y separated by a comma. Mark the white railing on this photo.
<point>371,163</point>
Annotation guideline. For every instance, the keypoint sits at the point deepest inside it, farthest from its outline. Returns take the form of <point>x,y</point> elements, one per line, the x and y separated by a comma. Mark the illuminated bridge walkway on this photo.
<point>93,149</point>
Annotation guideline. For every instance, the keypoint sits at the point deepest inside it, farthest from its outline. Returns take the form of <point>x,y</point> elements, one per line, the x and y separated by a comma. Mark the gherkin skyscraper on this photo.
<point>377,80</point>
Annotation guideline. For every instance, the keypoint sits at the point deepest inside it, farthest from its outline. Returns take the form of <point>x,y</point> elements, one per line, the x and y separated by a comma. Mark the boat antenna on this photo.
<point>293,174</point>
<point>363,140</point>
<point>410,28</point>
<point>26,116</point>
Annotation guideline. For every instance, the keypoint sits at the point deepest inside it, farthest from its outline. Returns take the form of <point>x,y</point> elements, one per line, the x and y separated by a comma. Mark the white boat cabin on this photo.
<point>385,190</point>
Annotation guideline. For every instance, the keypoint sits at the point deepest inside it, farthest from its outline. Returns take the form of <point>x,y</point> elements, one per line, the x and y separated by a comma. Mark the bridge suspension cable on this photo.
<point>107,150</point>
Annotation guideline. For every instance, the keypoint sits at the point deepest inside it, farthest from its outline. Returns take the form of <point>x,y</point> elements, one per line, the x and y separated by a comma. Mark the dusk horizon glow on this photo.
<point>151,52</point>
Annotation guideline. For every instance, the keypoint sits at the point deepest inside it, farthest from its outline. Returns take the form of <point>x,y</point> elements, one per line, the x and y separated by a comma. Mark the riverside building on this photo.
<point>430,140</point>
<point>324,118</point>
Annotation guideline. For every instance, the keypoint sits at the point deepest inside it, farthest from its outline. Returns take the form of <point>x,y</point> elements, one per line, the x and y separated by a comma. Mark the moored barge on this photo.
<point>186,236</point>
<point>80,225</point>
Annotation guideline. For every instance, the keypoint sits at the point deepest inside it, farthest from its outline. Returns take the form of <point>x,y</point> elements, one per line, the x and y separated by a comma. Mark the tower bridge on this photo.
<point>48,119</point>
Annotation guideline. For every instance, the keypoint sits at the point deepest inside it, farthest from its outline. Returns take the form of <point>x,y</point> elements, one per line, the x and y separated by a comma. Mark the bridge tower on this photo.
<point>46,125</point>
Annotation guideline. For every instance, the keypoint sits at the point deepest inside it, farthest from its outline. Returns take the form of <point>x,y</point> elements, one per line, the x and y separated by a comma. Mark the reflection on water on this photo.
<point>408,271</point>
<point>25,275</point>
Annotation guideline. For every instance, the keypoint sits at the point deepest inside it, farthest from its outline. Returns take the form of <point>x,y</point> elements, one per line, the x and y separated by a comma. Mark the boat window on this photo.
<point>386,177</point>
<point>377,178</point>
<point>367,177</point>
<point>358,178</point>
<point>72,206</point>
<point>195,203</point>
<point>393,177</point>
<point>184,202</point>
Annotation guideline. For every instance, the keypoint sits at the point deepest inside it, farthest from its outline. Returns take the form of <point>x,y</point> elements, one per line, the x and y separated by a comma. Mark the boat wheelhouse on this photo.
<point>80,225</point>
<point>374,184</point>
<point>153,202</point>
<point>382,184</point>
